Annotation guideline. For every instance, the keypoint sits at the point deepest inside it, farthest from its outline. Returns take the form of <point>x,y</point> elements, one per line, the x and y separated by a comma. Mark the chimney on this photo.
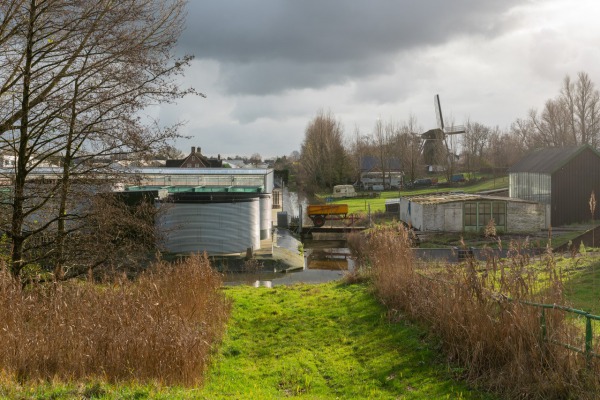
<point>218,156</point>
<point>199,151</point>
<point>193,150</point>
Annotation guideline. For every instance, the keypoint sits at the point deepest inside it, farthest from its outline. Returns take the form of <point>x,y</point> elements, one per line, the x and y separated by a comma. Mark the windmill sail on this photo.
<point>434,140</point>
<point>438,111</point>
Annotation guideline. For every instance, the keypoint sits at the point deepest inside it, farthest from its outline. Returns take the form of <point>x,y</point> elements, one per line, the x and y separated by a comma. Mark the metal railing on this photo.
<point>589,334</point>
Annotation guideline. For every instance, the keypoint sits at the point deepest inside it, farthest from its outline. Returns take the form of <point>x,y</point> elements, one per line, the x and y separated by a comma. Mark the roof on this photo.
<point>370,163</point>
<point>549,160</point>
<point>443,198</point>
<point>200,171</point>
<point>174,163</point>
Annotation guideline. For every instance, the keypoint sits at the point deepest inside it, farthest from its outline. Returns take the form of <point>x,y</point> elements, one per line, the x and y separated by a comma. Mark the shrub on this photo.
<point>479,313</point>
<point>159,327</point>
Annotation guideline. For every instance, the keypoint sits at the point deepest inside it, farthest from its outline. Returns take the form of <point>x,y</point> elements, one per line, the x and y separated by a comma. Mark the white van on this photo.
<point>340,191</point>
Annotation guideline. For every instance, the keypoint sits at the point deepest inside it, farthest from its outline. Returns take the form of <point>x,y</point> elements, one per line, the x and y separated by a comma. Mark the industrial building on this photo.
<point>458,212</point>
<point>217,210</point>
<point>561,178</point>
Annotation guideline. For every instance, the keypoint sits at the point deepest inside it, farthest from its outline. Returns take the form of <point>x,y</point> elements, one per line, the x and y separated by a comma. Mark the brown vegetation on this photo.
<point>160,327</point>
<point>480,315</point>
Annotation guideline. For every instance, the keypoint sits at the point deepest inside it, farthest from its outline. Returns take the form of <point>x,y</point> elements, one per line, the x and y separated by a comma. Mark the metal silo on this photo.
<point>218,223</point>
<point>266,216</point>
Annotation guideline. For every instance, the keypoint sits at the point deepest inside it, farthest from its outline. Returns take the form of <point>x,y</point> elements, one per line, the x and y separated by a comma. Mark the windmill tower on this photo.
<point>435,140</point>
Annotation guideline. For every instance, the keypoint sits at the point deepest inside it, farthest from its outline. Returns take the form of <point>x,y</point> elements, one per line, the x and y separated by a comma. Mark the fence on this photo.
<point>589,334</point>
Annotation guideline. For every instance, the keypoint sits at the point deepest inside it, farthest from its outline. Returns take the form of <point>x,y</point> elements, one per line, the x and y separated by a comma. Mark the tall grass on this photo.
<point>477,311</point>
<point>159,327</point>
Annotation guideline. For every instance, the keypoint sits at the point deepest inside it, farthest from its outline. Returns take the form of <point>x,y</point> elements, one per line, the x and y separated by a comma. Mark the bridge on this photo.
<point>307,231</point>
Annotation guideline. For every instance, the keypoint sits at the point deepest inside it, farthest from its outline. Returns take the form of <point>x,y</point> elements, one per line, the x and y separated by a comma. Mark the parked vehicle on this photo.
<point>341,191</point>
<point>456,178</point>
<point>423,182</point>
<point>319,213</point>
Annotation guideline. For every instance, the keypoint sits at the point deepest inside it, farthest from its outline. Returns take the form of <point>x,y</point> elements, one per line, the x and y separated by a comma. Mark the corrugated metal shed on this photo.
<point>548,160</point>
<point>564,178</point>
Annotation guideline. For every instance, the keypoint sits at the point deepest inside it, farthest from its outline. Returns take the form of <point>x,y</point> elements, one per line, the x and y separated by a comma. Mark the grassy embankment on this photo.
<point>322,342</point>
<point>483,315</point>
<point>306,341</point>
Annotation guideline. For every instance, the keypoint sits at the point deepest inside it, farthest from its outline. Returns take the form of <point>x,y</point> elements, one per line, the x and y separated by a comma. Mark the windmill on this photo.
<point>433,139</point>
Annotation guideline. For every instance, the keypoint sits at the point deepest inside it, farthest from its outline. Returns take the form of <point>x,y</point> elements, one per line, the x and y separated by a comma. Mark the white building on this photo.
<point>472,212</point>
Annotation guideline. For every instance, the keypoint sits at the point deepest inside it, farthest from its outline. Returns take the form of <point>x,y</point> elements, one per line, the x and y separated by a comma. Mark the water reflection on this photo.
<point>333,259</point>
<point>284,238</point>
<point>320,265</point>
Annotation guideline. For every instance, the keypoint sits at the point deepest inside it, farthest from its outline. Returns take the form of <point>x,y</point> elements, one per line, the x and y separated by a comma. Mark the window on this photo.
<point>485,213</point>
<point>499,214</point>
<point>477,215</point>
<point>470,215</point>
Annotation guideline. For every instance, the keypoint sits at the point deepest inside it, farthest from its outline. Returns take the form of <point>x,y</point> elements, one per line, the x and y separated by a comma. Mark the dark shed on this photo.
<point>562,177</point>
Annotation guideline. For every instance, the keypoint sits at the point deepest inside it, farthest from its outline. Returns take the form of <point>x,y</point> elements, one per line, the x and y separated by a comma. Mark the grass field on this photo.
<point>323,342</point>
<point>582,288</point>
<point>361,205</point>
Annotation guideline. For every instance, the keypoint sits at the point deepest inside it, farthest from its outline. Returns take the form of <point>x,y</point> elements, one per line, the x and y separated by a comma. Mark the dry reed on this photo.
<point>477,312</point>
<point>159,328</point>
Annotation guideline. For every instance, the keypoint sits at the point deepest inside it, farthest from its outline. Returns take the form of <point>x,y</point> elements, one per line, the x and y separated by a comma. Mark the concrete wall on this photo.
<point>415,217</point>
<point>445,217</point>
<point>525,217</point>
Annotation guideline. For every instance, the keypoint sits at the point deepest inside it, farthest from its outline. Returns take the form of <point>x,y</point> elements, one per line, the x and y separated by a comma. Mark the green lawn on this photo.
<point>582,288</point>
<point>324,342</point>
<point>378,204</point>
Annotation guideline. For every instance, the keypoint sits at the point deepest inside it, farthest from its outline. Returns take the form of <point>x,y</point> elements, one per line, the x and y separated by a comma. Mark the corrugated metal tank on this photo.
<point>215,223</point>
<point>266,217</point>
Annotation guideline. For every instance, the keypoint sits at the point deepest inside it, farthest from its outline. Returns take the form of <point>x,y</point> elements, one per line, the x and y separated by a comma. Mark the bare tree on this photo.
<point>359,149</point>
<point>77,72</point>
<point>475,140</point>
<point>168,152</point>
<point>524,132</point>
<point>382,136</point>
<point>552,127</point>
<point>587,109</point>
<point>407,147</point>
<point>572,118</point>
<point>324,160</point>
<point>255,159</point>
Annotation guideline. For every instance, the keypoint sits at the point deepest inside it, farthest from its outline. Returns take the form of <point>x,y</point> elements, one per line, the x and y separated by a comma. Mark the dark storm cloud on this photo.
<point>269,46</point>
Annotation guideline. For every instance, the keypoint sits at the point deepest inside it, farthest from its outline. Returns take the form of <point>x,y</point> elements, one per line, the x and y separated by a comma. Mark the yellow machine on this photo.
<point>318,213</point>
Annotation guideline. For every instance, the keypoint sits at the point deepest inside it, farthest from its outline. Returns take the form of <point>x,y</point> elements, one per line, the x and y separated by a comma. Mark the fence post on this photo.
<point>588,339</point>
<point>543,324</point>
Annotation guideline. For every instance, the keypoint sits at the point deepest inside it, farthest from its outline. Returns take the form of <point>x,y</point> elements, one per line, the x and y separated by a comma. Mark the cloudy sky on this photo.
<point>268,66</point>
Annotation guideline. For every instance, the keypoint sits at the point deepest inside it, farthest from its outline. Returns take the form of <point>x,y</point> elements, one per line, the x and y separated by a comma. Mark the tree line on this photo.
<point>329,157</point>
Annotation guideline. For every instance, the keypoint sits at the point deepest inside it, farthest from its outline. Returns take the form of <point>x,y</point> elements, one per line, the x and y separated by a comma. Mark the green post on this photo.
<point>588,339</point>
<point>543,324</point>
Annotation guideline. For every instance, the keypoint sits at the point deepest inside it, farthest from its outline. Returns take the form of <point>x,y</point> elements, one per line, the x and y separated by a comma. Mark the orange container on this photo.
<point>327,209</point>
